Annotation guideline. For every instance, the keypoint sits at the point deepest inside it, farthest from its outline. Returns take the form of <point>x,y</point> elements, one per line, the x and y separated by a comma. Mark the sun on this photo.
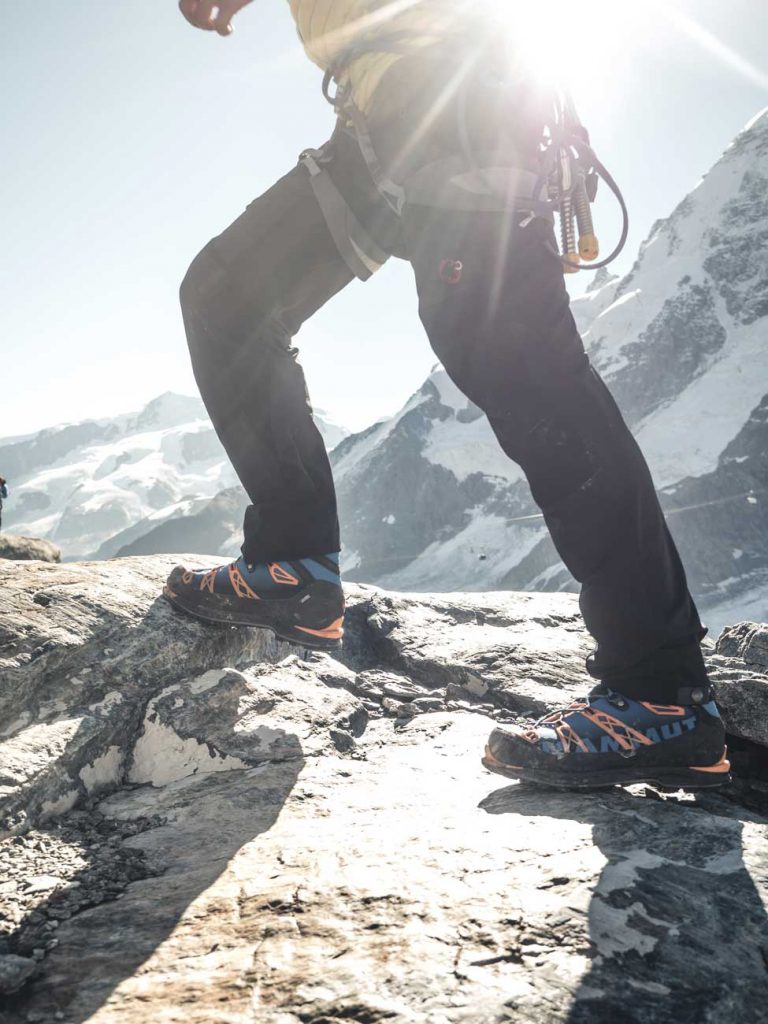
<point>588,45</point>
<point>569,44</point>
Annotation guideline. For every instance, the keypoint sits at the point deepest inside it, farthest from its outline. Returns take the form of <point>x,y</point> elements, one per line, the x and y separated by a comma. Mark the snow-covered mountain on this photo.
<point>102,486</point>
<point>429,502</point>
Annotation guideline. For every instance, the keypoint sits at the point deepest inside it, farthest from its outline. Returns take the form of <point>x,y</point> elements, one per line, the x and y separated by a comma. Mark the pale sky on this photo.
<point>130,139</point>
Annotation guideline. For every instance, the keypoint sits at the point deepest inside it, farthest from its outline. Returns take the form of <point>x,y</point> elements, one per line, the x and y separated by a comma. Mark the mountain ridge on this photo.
<point>96,485</point>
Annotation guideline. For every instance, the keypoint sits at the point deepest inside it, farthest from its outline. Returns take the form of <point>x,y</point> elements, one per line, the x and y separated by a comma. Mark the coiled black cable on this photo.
<point>583,149</point>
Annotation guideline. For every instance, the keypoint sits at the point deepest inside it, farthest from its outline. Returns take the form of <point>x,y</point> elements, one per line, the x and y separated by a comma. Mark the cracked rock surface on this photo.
<point>206,825</point>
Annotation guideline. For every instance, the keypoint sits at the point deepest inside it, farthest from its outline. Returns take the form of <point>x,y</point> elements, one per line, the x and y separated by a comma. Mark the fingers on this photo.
<point>212,15</point>
<point>192,11</point>
<point>227,10</point>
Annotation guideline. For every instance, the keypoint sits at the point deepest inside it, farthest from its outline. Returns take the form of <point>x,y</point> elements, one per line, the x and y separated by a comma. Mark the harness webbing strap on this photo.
<point>393,194</point>
<point>358,250</point>
<point>383,42</point>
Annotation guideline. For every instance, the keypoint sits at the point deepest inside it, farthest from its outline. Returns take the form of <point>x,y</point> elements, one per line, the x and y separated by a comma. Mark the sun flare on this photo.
<point>566,43</point>
<point>580,46</point>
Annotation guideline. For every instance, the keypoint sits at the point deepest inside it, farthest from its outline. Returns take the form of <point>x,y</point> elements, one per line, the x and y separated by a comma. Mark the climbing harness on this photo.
<point>362,254</point>
<point>563,185</point>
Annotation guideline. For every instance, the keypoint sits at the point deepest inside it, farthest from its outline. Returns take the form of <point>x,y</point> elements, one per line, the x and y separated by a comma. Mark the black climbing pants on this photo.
<point>503,330</point>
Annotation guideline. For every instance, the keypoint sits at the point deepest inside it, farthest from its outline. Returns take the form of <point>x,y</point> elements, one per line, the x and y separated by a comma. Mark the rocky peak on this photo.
<point>754,132</point>
<point>168,410</point>
<point>601,278</point>
<point>208,821</point>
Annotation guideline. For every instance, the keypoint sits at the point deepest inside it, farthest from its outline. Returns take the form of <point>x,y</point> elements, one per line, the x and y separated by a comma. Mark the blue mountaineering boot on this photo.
<point>607,740</point>
<point>300,600</point>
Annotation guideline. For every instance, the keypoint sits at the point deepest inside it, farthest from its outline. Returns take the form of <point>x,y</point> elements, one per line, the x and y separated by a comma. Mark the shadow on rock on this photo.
<point>206,820</point>
<point>674,928</point>
<point>199,733</point>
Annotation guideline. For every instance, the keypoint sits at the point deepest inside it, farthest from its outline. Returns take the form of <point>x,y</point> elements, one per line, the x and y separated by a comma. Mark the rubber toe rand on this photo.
<point>710,777</point>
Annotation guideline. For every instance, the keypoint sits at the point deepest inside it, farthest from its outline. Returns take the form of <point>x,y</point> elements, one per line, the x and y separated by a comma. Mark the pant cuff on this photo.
<point>670,675</point>
<point>288,533</point>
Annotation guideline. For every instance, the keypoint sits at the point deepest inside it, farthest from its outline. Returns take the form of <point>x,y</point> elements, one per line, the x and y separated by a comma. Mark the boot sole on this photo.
<point>278,616</point>
<point>672,778</point>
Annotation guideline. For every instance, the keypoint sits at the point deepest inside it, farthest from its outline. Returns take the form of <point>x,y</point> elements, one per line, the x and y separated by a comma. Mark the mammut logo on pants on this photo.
<point>451,271</point>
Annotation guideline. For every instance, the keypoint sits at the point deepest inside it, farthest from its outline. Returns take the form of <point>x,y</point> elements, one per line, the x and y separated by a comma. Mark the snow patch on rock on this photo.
<point>162,756</point>
<point>64,803</point>
<point>104,771</point>
<point>467,448</point>
<point>476,558</point>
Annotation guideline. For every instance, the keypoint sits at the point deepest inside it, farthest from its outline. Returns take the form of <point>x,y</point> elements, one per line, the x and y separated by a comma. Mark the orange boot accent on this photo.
<point>494,760</point>
<point>722,767</point>
<point>569,738</point>
<point>281,575</point>
<point>332,632</point>
<point>206,583</point>
<point>239,585</point>
<point>619,731</point>
<point>671,710</point>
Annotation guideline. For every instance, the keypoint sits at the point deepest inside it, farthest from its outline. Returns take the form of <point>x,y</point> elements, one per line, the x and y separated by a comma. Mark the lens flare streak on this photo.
<point>709,41</point>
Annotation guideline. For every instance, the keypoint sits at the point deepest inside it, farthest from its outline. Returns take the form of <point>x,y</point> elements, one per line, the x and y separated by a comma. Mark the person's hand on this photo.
<point>212,15</point>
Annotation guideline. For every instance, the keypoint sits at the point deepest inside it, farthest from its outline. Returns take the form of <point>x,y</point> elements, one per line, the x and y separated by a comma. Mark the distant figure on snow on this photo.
<point>429,111</point>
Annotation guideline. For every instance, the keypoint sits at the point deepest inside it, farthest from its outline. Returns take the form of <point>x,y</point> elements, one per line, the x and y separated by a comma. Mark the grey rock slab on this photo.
<point>78,669</point>
<point>59,869</point>
<point>26,549</point>
<point>393,707</point>
<point>428,704</point>
<point>15,971</point>
<point>747,641</point>
<point>526,653</point>
<point>414,887</point>
<point>527,649</point>
<point>406,691</point>
<point>739,669</point>
<point>225,719</point>
<point>279,858</point>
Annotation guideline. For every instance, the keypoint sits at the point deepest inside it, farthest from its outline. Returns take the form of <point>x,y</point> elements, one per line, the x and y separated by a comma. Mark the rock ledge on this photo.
<point>207,825</point>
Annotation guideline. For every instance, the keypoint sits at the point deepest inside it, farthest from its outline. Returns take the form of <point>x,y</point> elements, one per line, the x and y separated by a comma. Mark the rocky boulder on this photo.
<point>28,549</point>
<point>205,824</point>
